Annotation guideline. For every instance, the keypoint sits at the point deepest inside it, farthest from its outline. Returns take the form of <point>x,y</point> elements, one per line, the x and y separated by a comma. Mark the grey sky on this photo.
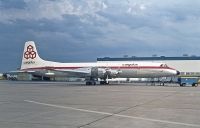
<point>82,30</point>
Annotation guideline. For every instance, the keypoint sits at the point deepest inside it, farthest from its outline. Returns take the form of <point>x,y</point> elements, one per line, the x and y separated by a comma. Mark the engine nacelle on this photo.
<point>113,73</point>
<point>104,73</point>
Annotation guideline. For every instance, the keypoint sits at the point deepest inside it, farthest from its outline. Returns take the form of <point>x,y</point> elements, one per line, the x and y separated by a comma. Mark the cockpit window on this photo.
<point>163,65</point>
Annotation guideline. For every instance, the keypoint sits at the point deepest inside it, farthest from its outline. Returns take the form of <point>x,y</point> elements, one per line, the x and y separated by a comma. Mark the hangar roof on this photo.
<point>148,58</point>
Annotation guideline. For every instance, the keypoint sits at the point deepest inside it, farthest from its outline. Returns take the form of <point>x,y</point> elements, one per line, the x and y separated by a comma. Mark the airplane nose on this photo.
<point>177,73</point>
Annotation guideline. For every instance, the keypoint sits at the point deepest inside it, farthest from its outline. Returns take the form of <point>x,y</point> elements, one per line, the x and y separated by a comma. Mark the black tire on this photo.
<point>87,83</point>
<point>102,82</point>
<point>90,83</point>
<point>194,85</point>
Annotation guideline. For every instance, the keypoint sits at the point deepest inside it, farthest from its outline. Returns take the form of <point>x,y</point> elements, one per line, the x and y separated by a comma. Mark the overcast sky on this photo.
<point>82,30</point>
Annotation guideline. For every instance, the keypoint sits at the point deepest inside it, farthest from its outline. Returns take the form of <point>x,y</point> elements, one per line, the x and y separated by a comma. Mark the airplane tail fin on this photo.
<point>30,58</point>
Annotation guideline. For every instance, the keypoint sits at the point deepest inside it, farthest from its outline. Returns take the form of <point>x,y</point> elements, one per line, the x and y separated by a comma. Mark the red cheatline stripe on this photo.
<point>112,67</point>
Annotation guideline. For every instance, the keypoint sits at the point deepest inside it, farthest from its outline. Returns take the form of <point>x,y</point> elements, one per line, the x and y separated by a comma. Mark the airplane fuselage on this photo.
<point>32,63</point>
<point>118,69</point>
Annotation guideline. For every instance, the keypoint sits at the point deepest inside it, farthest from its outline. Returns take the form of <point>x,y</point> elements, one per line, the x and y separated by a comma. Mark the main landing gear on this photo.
<point>104,82</point>
<point>94,83</point>
<point>90,83</point>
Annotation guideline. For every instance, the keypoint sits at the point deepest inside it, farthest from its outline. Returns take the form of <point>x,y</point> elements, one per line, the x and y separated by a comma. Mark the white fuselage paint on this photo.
<point>123,69</point>
<point>130,69</point>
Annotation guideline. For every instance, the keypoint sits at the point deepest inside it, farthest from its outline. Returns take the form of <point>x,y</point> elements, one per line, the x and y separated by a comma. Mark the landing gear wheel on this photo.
<point>183,84</point>
<point>90,83</point>
<point>194,85</point>
<point>104,82</point>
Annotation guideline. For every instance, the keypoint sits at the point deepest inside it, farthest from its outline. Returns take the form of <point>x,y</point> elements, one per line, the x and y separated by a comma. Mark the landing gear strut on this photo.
<point>105,80</point>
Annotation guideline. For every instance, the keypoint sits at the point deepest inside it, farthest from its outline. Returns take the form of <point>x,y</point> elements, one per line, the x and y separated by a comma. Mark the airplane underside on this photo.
<point>94,76</point>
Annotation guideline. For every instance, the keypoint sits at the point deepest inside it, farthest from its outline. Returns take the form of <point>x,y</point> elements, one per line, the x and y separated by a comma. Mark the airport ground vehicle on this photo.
<point>188,81</point>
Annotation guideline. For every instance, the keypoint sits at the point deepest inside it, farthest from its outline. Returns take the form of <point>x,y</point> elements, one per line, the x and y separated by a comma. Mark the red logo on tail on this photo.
<point>30,53</point>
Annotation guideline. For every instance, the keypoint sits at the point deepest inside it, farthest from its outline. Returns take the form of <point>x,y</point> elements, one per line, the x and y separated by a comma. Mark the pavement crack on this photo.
<point>82,126</point>
<point>148,102</point>
<point>123,110</point>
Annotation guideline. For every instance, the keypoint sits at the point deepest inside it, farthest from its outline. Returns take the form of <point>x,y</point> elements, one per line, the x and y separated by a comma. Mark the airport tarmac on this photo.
<point>63,105</point>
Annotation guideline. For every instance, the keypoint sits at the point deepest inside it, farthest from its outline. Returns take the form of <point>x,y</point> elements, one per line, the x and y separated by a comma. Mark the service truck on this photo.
<point>188,81</point>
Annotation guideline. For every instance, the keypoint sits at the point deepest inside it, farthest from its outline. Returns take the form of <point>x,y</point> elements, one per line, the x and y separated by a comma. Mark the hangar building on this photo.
<point>188,66</point>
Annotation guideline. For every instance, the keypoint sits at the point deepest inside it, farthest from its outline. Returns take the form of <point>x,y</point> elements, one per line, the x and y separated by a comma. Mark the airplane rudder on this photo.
<point>30,56</point>
<point>30,51</point>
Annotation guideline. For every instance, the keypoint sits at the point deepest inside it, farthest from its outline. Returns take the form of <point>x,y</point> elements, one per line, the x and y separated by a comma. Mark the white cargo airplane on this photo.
<point>32,63</point>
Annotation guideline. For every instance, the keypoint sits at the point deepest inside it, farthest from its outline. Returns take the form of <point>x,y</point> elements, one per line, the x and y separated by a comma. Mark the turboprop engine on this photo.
<point>104,73</point>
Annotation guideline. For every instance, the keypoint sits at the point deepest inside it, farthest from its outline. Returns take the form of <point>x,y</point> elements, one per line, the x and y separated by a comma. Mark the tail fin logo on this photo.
<point>30,53</point>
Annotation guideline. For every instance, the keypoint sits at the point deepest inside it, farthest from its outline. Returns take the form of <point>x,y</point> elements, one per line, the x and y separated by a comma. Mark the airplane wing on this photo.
<point>21,71</point>
<point>72,71</point>
<point>81,72</point>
